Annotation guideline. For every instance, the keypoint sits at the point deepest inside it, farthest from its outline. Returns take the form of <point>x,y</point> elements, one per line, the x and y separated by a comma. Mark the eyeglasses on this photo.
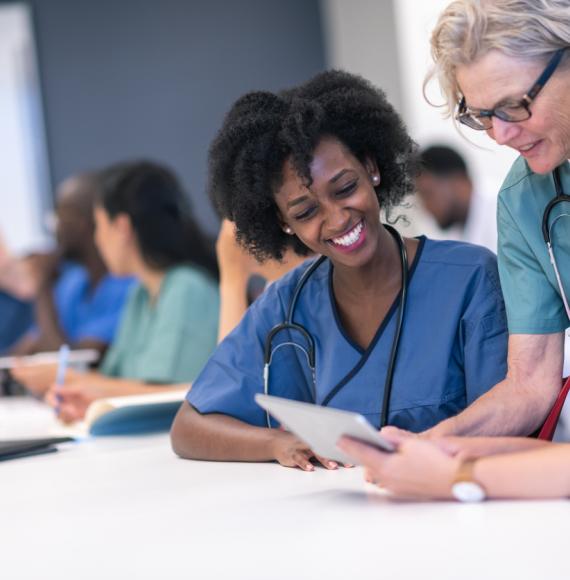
<point>515,112</point>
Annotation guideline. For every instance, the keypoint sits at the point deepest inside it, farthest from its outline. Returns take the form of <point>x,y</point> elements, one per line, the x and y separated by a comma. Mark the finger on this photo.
<point>67,391</point>
<point>50,398</point>
<point>366,454</point>
<point>395,435</point>
<point>328,463</point>
<point>302,460</point>
<point>450,446</point>
<point>67,413</point>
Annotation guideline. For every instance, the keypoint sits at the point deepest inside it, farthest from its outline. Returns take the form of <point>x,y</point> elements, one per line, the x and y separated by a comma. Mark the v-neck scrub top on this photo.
<point>453,346</point>
<point>532,297</point>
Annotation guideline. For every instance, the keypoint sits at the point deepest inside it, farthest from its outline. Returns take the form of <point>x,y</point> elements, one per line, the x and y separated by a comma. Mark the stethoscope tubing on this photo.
<point>309,351</point>
<point>547,228</point>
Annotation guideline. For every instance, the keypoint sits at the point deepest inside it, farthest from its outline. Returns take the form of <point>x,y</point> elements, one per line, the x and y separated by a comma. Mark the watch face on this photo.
<point>468,491</point>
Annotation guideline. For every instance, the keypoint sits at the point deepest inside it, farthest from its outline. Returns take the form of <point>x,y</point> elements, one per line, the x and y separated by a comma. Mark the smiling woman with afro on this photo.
<point>264,129</point>
<point>312,167</point>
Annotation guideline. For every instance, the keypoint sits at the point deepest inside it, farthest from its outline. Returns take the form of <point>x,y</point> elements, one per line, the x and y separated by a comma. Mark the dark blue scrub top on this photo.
<point>452,350</point>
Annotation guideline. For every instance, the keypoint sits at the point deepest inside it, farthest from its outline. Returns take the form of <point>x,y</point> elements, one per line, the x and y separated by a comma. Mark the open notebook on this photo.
<point>129,415</point>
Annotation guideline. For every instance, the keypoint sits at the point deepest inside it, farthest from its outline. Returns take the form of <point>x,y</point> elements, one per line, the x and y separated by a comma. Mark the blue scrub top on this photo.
<point>16,318</point>
<point>89,314</point>
<point>453,346</point>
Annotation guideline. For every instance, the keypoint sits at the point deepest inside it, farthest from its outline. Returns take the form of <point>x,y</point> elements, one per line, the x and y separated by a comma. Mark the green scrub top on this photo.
<point>532,297</point>
<point>168,341</point>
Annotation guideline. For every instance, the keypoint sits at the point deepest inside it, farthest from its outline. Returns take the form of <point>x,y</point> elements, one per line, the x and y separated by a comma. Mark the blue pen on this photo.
<point>62,361</point>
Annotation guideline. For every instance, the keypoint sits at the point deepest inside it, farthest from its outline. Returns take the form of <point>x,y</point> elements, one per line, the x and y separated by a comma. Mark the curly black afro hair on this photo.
<point>263,130</point>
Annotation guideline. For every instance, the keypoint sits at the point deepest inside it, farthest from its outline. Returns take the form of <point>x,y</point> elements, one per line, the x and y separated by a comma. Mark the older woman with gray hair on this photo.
<point>504,68</point>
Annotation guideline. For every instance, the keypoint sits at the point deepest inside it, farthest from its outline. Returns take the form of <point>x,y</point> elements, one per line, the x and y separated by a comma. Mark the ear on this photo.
<point>283,224</point>
<point>372,169</point>
<point>124,226</point>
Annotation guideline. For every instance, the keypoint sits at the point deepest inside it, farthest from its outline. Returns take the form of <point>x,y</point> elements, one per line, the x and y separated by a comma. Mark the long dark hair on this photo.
<point>160,213</point>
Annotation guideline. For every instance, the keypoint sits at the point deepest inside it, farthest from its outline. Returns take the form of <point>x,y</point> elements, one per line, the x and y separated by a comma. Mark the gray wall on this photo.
<point>153,78</point>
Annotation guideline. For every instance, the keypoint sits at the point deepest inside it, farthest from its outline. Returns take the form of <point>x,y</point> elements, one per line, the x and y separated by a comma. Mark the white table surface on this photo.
<point>128,508</point>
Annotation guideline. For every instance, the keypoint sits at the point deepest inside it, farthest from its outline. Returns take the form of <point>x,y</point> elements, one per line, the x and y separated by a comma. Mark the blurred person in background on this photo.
<point>448,195</point>
<point>18,288</point>
<point>77,301</point>
<point>145,229</point>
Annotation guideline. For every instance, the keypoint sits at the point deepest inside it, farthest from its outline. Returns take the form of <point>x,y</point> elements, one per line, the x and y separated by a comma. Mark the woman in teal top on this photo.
<point>169,326</point>
<point>505,68</point>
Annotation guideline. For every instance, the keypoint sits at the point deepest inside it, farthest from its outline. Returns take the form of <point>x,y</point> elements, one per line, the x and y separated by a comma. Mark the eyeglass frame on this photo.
<point>463,114</point>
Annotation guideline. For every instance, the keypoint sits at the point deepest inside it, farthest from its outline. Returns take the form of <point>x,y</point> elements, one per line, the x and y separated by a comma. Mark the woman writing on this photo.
<point>144,229</point>
<point>394,329</point>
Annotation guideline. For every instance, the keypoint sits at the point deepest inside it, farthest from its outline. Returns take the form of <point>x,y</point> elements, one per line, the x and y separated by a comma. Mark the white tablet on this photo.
<point>322,427</point>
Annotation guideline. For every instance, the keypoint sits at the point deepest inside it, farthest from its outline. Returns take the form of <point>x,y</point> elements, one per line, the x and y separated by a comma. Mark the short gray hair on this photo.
<point>468,29</point>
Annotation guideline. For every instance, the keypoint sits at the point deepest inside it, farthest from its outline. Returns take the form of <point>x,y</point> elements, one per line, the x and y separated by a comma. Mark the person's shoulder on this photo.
<point>188,279</point>
<point>519,174</point>
<point>118,284</point>
<point>471,266</point>
<point>289,281</point>
<point>72,273</point>
<point>72,284</point>
<point>451,252</point>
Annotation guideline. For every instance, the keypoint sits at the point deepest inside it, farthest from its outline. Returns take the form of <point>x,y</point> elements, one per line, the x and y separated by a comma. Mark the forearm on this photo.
<point>519,404</point>
<point>484,446</point>
<point>116,387</point>
<point>219,438</point>
<point>541,473</point>
<point>233,304</point>
<point>507,409</point>
<point>51,335</point>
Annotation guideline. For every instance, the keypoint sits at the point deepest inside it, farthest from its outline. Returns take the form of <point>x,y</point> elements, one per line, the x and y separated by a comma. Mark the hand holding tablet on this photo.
<point>322,427</point>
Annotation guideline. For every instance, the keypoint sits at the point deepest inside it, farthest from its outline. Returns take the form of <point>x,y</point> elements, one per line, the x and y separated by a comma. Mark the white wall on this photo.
<point>415,20</point>
<point>360,37</point>
<point>23,160</point>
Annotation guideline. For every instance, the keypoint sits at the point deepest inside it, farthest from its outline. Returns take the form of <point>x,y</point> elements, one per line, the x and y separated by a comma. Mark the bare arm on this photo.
<point>540,473</point>
<point>484,446</point>
<point>50,335</point>
<point>422,470</point>
<point>236,266</point>
<point>80,389</point>
<point>218,437</point>
<point>519,404</point>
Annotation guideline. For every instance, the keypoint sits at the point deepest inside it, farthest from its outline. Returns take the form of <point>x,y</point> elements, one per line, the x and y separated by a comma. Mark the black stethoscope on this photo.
<point>309,350</point>
<point>547,230</point>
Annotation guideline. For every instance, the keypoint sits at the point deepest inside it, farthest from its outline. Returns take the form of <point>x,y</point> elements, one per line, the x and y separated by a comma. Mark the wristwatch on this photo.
<point>464,487</point>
